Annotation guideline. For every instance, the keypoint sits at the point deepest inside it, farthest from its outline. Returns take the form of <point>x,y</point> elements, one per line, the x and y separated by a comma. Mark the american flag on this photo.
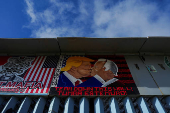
<point>42,70</point>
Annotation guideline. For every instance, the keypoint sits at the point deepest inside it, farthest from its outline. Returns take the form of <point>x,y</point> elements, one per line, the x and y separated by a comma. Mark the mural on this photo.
<point>93,75</point>
<point>26,75</point>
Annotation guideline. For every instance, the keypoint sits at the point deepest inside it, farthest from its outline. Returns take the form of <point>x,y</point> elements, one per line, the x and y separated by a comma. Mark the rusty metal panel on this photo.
<point>160,73</point>
<point>104,45</point>
<point>142,77</point>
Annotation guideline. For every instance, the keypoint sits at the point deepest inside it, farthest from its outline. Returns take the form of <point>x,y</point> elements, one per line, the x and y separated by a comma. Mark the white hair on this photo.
<point>110,65</point>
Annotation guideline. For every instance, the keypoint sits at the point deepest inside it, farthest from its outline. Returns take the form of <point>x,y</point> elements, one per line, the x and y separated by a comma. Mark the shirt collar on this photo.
<point>71,78</point>
<point>109,82</point>
<point>103,82</point>
<point>99,79</point>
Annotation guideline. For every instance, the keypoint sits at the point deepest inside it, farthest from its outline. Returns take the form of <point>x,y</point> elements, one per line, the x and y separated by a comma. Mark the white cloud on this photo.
<point>127,18</point>
<point>83,8</point>
<point>30,10</point>
<point>49,32</point>
<point>55,21</point>
<point>47,16</point>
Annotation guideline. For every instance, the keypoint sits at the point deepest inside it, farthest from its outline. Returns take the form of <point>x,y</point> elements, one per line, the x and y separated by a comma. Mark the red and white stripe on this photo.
<point>37,73</point>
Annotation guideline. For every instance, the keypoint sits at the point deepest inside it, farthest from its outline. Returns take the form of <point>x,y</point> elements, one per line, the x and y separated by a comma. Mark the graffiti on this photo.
<point>15,67</point>
<point>90,72</point>
<point>27,75</point>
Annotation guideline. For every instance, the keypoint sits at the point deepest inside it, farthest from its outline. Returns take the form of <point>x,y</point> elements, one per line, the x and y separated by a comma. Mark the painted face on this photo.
<point>100,70</point>
<point>97,66</point>
<point>84,69</point>
<point>109,75</point>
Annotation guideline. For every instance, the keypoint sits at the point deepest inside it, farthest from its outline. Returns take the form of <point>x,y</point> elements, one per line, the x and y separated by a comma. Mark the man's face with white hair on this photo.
<point>108,75</point>
<point>99,69</point>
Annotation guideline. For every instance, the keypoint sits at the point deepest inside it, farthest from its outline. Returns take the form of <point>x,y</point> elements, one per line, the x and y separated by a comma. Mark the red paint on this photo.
<point>4,59</point>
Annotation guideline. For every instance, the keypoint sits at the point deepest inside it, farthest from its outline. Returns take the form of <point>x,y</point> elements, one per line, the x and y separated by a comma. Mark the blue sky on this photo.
<point>84,18</point>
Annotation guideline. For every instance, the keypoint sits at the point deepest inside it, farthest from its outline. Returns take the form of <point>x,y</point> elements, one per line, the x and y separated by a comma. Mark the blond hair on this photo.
<point>75,61</point>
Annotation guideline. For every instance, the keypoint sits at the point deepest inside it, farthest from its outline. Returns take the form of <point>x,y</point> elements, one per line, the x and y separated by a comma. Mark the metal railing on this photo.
<point>117,104</point>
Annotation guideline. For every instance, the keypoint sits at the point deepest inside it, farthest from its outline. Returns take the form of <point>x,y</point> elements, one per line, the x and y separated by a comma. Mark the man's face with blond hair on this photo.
<point>78,66</point>
<point>84,69</point>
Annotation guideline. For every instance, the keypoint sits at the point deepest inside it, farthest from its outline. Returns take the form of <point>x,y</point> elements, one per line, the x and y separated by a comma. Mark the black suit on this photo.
<point>116,84</point>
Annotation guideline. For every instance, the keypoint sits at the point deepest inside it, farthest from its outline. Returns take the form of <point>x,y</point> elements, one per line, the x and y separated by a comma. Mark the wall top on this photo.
<point>84,45</point>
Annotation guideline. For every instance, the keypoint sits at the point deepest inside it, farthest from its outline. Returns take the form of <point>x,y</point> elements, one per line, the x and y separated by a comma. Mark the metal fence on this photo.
<point>116,104</point>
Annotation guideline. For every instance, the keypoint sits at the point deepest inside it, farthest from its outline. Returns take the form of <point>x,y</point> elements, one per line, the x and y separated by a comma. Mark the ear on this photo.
<point>103,68</point>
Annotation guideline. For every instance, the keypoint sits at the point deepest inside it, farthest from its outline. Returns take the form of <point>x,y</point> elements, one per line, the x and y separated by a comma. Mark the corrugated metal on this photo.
<point>141,104</point>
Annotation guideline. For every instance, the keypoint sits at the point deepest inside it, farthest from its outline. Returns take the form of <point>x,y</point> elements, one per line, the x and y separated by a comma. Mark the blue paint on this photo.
<point>114,108</point>
<point>39,107</point>
<point>84,105</point>
<point>24,105</point>
<point>11,104</point>
<point>157,105</point>
<point>54,105</point>
<point>98,105</point>
<point>129,108</point>
<point>143,105</point>
<point>69,105</point>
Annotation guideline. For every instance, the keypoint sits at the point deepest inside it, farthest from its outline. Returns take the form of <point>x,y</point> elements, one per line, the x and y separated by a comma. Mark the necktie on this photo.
<point>77,83</point>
